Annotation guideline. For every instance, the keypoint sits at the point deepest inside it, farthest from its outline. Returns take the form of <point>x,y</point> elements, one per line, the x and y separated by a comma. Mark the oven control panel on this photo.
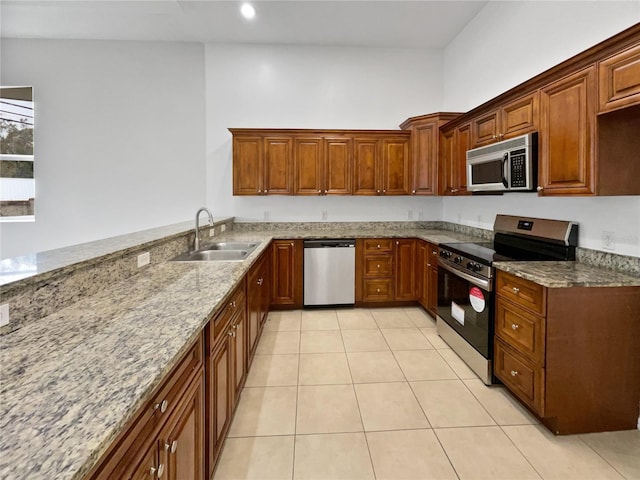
<point>465,264</point>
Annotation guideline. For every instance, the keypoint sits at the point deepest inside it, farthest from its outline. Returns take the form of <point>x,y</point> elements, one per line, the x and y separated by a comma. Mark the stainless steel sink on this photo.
<point>219,252</point>
<point>212,256</point>
<point>232,246</point>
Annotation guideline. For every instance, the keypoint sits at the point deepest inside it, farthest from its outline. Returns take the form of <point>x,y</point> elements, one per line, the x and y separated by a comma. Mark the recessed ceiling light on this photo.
<point>248,11</point>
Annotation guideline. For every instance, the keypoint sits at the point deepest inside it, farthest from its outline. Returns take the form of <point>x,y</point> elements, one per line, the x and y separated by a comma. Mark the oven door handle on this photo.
<point>478,282</point>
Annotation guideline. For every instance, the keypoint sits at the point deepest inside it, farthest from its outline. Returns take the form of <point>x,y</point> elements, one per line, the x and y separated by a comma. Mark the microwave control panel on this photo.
<point>518,168</point>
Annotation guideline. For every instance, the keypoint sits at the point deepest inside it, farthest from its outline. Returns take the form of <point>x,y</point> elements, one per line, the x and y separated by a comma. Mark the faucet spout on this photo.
<point>196,242</point>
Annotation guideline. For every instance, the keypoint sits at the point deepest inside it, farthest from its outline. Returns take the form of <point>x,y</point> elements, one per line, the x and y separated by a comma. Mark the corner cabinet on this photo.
<point>570,354</point>
<point>425,150</point>
<point>454,146</point>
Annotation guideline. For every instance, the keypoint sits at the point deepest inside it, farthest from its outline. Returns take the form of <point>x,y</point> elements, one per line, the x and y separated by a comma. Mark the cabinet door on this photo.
<point>619,80</point>
<point>220,398</point>
<point>405,261</point>
<point>265,287</point>
<point>519,117</point>
<point>485,129</point>
<point>459,166</point>
<point>253,309</point>
<point>447,154</point>
<point>150,466</point>
<point>308,159</point>
<point>182,442</point>
<point>395,166</point>
<point>247,165</point>
<point>567,156</point>
<point>278,166</point>
<point>238,343</point>
<point>366,169</point>
<point>421,272</point>
<point>338,161</point>
<point>287,278</point>
<point>424,152</point>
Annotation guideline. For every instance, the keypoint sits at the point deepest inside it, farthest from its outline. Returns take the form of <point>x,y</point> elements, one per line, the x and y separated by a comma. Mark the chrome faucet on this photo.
<point>196,242</point>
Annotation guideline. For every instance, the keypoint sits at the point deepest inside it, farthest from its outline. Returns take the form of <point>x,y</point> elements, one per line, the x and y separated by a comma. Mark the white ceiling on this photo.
<point>362,23</point>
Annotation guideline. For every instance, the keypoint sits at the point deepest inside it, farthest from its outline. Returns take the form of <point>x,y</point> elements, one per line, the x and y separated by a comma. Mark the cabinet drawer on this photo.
<point>221,320</point>
<point>522,292</point>
<point>378,245</point>
<point>378,266</point>
<point>619,80</point>
<point>378,290</point>
<point>522,330</point>
<point>523,378</point>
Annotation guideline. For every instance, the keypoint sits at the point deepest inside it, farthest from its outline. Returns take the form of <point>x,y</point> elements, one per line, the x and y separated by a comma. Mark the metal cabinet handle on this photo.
<point>266,191</point>
<point>231,334</point>
<point>378,245</point>
<point>378,290</point>
<point>515,326</point>
<point>384,191</point>
<point>171,447</point>
<point>259,191</point>
<point>539,188</point>
<point>414,192</point>
<point>157,472</point>
<point>378,266</point>
<point>397,243</point>
<point>514,373</point>
<point>516,290</point>
<point>162,406</point>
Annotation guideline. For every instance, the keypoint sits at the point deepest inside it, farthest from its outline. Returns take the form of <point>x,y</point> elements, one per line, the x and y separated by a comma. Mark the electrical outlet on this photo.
<point>212,231</point>
<point>265,215</point>
<point>410,214</point>
<point>4,314</point>
<point>223,227</point>
<point>144,259</point>
<point>608,241</point>
<point>324,215</point>
<point>420,215</point>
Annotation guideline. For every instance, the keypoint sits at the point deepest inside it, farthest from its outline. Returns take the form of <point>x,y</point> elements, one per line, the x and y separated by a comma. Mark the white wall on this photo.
<point>119,138</point>
<point>506,44</point>
<point>314,87</point>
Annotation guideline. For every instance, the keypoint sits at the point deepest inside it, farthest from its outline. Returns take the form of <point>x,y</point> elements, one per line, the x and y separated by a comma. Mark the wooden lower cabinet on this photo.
<point>175,413</point>
<point>287,257</point>
<point>258,300</point>
<point>219,395</point>
<point>427,276</point>
<point>406,256</point>
<point>570,354</point>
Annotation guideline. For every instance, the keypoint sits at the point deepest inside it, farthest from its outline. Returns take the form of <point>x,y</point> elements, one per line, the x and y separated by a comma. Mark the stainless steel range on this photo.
<point>465,281</point>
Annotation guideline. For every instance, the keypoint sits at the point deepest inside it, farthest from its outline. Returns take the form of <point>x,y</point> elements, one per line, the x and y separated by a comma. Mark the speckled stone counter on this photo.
<point>568,274</point>
<point>70,381</point>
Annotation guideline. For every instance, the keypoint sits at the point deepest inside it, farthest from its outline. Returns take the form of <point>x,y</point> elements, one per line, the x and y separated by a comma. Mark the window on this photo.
<point>17,184</point>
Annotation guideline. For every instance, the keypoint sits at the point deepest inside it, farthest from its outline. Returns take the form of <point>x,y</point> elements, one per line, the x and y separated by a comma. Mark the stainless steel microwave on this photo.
<point>509,165</point>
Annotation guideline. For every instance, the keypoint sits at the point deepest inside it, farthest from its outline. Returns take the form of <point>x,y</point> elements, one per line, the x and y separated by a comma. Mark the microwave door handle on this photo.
<point>505,164</point>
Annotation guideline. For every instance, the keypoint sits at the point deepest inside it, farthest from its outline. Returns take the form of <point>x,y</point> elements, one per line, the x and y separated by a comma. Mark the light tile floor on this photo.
<point>376,394</point>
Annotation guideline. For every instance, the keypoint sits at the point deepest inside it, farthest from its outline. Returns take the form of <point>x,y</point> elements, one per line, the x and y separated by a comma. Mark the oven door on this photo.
<point>466,305</point>
<point>488,172</point>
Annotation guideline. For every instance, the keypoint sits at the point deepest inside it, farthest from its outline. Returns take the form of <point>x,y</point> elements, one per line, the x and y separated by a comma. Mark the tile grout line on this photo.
<point>295,422</point>
<point>598,453</point>
<point>435,433</point>
<point>520,451</point>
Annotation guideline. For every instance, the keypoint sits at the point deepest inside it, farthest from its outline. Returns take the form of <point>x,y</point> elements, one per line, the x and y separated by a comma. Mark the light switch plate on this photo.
<point>144,259</point>
<point>4,314</point>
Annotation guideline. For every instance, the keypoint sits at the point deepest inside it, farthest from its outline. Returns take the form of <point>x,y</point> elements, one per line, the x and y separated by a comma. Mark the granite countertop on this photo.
<point>37,266</point>
<point>70,381</point>
<point>568,274</point>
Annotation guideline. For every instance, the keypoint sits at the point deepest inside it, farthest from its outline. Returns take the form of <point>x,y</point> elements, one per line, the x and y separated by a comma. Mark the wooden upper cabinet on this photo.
<point>566,153</point>
<point>308,160</point>
<point>520,116</point>
<point>619,80</point>
<point>247,165</point>
<point>338,162</point>
<point>365,166</point>
<point>395,166</point>
<point>485,129</point>
<point>515,118</point>
<point>458,167</point>
<point>278,174</point>
<point>424,144</point>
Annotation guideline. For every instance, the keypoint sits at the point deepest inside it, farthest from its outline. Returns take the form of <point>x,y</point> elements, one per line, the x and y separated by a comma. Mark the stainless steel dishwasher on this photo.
<point>329,272</point>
